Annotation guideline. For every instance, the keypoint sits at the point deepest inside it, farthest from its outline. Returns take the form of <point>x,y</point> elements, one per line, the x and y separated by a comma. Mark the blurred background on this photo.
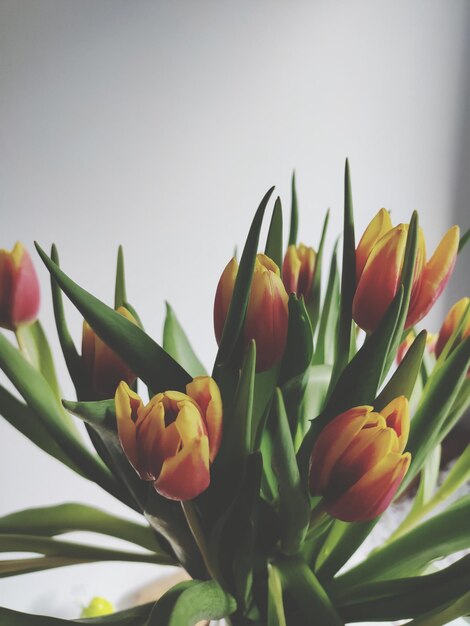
<point>159,125</point>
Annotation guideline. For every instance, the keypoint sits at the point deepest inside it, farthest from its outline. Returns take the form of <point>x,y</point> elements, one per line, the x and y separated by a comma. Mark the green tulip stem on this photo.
<point>194,524</point>
<point>319,521</point>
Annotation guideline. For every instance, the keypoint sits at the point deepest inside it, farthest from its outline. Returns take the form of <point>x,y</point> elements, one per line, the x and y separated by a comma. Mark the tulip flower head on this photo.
<point>452,321</point>
<point>174,438</point>
<point>267,312</point>
<point>357,463</point>
<point>298,270</point>
<point>103,367</point>
<point>379,262</point>
<point>19,288</point>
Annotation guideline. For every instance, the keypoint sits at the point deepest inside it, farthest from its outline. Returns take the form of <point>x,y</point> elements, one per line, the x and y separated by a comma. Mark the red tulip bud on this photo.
<point>19,288</point>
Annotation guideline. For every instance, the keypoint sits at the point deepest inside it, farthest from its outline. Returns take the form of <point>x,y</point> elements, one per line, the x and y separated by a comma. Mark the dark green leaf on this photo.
<point>241,291</point>
<point>325,348</point>
<point>137,616</point>
<point>120,286</point>
<point>404,378</point>
<point>299,345</point>
<point>176,343</point>
<point>294,506</point>
<point>463,240</point>
<point>294,215</point>
<point>314,298</point>
<point>145,357</point>
<point>274,241</point>
<point>190,603</point>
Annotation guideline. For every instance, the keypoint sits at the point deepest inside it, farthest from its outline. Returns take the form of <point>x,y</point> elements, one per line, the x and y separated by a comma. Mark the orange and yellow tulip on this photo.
<point>298,270</point>
<point>357,463</point>
<point>174,438</point>
<point>19,288</point>
<point>267,312</point>
<point>451,322</point>
<point>379,261</point>
<point>103,367</point>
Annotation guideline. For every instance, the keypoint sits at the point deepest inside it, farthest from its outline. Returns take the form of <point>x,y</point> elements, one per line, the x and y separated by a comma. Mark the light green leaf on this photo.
<point>143,355</point>
<point>314,298</point>
<point>294,507</point>
<point>65,518</point>
<point>276,616</point>
<point>446,614</point>
<point>120,297</point>
<point>176,343</point>
<point>274,241</point>
<point>325,348</point>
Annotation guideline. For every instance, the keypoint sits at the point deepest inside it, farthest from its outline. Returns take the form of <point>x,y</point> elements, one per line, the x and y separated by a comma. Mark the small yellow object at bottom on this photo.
<point>97,607</point>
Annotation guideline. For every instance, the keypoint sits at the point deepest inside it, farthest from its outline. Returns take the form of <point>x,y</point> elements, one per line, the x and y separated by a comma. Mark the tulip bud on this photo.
<point>357,463</point>
<point>379,262</point>
<point>298,270</point>
<point>267,312</point>
<point>19,288</point>
<point>174,438</point>
<point>451,322</point>
<point>104,368</point>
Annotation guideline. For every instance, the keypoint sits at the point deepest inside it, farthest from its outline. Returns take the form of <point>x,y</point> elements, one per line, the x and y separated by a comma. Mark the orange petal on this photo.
<point>404,347</point>
<point>127,405</point>
<point>372,494</point>
<point>205,392</point>
<point>379,281</point>
<point>434,277</point>
<point>377,228</point>
<point>267,314</point>
<point>397,416</point>
<point>223,296</point>
<point>185,475</point>
<point>451,322</point>
<point>291,269</point>
<point>331,444</point>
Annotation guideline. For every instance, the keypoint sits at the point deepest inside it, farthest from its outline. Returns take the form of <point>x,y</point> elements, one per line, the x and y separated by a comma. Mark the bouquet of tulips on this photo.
<point>262,479</point>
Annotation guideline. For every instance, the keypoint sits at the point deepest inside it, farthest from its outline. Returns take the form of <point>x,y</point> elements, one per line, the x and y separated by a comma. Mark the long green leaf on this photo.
<point>27,422</point>
<point>65,518</point>
<point>294,214</point>
<point>407,597</point>
<point>120,297</point>
<point>241,291</point>
<point>327,332</point>
<point>314,298</point>
<point>464,239</point>
<point>137,616</point>
<point>436,403</point>
<point>274,241</point>
<point>39,396</point>
<point>348,280</point>
<point>143,355</point>
<point>276,615</point>
<point>446,614</point>
<point>176,344</point>
<point>439,536</point>
<point>309,596</point>
<point>294,507</point>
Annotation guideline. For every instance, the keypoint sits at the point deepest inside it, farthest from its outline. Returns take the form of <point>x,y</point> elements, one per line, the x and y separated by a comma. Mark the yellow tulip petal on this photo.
<point>378,227</point>
<point>451,322</point>
<point>185,475</point>
<point>223,296</point>
<point>397,416</point>
<point>373,493</point>
<point>332,443</point>
<point>379,281</point>
<point>127,405</point>
<point>434,277</point>
<point>205,392</point>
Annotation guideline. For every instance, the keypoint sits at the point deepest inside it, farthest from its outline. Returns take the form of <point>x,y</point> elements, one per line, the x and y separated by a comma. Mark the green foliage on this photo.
<point>176,344</point>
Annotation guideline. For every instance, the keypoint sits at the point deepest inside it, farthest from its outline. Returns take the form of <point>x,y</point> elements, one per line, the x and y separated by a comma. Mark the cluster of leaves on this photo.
<point>248,542</point>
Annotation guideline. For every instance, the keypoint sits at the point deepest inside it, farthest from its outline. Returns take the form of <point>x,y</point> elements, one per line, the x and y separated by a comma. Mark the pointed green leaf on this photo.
<point>294,215</point>
<point>294,506</point>
<point>325,348</point>
<point>274,241</point>
<point>299,345</point>
<point>176,343</point>
<point>446,613</point>
<point>308,595</point>
<point>65,518</point>
<point>120,286</point>
<point>464,239</point>
<point>241,291</point>
<point>314,298</point>
<point>276,616</point>
<point>404,378</point>
<point>143,355</point>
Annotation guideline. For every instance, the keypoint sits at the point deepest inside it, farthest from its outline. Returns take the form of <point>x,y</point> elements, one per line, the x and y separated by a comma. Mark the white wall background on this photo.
<point>160,125</point>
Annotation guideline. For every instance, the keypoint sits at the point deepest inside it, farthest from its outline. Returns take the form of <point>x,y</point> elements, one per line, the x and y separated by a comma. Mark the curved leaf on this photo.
<point>176,344</point>
<point>120,297</point>
<point>137,616</point>
<point>274,241</point>
<point>143,355</point>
